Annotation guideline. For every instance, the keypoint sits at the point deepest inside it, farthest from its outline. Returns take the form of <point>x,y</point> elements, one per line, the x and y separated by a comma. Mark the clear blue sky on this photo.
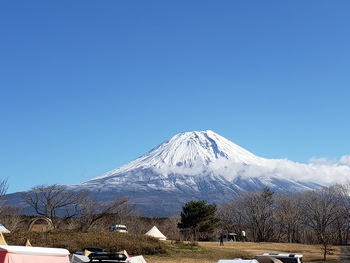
<point>88,86</point>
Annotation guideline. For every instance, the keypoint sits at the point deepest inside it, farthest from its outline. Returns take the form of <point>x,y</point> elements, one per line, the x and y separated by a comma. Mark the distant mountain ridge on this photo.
<point>200,165</point>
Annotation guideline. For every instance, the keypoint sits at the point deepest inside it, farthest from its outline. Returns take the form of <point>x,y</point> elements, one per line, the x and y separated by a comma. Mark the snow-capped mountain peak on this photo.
<point>199,165</point>
<point>202,165</point>
<point>190,153</point>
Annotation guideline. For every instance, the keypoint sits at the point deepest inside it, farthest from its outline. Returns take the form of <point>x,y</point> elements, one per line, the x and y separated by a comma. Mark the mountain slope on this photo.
<point>190,153</point>
<point>200,165</point>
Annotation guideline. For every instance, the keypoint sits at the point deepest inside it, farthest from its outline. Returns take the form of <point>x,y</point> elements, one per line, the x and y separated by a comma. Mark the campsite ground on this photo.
<point>210,252</point>
<point>155,251</point>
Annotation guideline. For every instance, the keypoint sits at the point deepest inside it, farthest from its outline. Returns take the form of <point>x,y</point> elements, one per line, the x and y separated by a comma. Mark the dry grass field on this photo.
<point>210,252</point>
<point>155,251</point>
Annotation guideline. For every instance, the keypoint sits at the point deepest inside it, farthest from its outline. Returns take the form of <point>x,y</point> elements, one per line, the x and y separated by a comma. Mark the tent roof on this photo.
<point>4,229</point>
<point>26,250</point>
<point>154,232</point>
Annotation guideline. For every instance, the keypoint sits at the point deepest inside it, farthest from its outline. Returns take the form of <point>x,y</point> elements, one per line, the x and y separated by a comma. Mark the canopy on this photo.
<point>154,232</point>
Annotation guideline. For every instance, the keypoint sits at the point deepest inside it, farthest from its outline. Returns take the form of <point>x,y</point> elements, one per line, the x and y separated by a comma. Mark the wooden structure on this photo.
<point>40,224</point>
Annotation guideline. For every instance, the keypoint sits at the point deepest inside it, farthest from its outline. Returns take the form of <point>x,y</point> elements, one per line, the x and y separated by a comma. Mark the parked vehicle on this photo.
<point>279,258</point>
<point>92,254</point>
<point>118,228</point>
<point>237,260</point>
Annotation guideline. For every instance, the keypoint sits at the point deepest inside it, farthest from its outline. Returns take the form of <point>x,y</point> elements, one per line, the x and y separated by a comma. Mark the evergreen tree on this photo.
<point>198,217</point>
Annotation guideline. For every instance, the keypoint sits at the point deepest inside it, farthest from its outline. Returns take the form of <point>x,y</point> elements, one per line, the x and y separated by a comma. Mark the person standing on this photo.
<point>243,235</point>
<point>221,240</point>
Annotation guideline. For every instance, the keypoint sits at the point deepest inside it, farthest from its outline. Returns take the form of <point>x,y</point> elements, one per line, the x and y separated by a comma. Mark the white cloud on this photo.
<point>322,160</point>
<point>320,170</point>
<point>345,160</point>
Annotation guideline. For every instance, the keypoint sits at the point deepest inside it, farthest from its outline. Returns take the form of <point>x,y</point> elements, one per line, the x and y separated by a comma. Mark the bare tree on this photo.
<point>322,209</point>
<point>288,216</point>
<point>92,211</point>
<point>3,187</point>
<point>257,208</point>
<point>53,201</point>
<point>171,230</point>
<point>231,217</point>
<point>3,190</point>
<point>344,222</point>
<point>11,217</point>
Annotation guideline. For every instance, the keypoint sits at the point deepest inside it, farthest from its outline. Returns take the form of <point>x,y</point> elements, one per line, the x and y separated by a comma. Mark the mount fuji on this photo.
<point>198,165</point>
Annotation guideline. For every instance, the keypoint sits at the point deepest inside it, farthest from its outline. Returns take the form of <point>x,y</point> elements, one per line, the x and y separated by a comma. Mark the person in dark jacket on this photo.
<point>221,240</point>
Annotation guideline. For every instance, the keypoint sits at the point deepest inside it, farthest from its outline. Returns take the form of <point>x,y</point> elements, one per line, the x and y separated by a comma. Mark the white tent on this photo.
<point>154,232</point>
<point>4,229</point>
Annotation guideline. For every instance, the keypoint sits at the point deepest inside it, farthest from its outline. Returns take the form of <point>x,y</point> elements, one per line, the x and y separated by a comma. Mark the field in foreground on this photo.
<point>155,251</point>
<point>210,252</point>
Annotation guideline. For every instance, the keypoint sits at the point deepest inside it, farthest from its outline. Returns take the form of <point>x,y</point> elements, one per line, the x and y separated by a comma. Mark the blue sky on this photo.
<point>88,86</point>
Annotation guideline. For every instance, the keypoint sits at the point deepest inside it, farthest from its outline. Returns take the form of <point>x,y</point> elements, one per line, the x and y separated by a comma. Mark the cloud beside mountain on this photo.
<point>321,170</point>
<point>206,152</point>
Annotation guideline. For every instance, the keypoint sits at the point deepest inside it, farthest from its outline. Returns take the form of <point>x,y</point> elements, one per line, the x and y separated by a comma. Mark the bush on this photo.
<point>75,241</point>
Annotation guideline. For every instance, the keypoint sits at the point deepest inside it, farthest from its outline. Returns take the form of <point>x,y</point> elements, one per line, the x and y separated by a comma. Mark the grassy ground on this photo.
<point>155,251</point>
<point>211,252</point>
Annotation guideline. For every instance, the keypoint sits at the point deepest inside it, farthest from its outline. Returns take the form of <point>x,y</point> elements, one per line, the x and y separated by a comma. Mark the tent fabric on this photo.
<point>47,251</point>
<point>136,259</point>
<point>2,240</point>
<point>79,259</point>
<point>17,258</point>
<point>4,229</point>
<point>154,232</point>
<point>23,254</point>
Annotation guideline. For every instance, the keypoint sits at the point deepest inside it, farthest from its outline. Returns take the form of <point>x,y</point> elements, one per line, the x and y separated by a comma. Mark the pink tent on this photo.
<point>24,254</point>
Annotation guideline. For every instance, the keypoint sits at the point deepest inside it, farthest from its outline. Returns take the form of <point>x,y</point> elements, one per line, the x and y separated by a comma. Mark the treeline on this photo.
<point>313,217</point>
<point>79,211</point>
<point>318,216</point>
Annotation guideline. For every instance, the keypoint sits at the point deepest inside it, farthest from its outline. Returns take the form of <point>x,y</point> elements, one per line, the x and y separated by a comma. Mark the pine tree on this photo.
<point>198,216</point>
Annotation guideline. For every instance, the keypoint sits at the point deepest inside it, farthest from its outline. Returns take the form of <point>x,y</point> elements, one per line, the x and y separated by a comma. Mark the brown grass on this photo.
<point>211,252</point>
<point>155,251</point>
<point>75,241</point>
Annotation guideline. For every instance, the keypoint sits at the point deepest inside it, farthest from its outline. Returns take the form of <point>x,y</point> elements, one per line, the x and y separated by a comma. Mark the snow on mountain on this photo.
<point>188,156</point>
<point>202,165</point>
<point>192,153</point>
